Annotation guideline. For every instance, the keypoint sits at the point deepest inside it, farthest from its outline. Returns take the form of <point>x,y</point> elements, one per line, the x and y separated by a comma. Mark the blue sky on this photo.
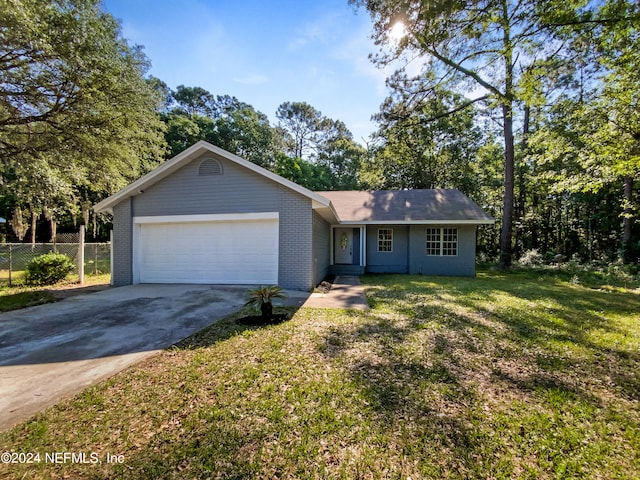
<point>263,52</point>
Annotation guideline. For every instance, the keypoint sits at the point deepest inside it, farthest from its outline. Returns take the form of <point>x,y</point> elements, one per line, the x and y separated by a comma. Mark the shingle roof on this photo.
<point>393,206</point>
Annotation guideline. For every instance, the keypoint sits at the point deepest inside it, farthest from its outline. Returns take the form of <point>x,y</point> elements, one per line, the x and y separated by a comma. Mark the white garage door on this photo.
<point>221,251</point>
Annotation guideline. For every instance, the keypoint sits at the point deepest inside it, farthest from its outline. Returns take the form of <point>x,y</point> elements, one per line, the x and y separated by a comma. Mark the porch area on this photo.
<point>348,250</point>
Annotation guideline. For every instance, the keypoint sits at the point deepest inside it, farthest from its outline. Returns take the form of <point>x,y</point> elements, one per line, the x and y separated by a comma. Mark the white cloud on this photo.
<point>320,31</point>
<point>252,79</point>
<point>354,53</point>
<point>309,34</point>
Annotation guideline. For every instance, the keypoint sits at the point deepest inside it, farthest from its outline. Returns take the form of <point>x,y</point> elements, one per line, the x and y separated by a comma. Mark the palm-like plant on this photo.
<point>261,297</point>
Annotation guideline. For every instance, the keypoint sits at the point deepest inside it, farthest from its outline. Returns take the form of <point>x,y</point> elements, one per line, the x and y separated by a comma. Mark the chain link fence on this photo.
<point>14,257</point>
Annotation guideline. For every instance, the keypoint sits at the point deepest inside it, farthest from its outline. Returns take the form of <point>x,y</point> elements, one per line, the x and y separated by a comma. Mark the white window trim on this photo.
<point>217,217</point>
<point>442,242</point>
<point>391,240</point>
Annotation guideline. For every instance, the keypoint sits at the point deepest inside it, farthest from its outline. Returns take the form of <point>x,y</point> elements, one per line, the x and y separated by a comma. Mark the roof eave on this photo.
<point>418,222</point>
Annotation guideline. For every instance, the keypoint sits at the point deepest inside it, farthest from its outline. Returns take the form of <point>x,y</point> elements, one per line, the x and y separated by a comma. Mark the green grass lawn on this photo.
<point>514,375</point>
<point>20,295</point>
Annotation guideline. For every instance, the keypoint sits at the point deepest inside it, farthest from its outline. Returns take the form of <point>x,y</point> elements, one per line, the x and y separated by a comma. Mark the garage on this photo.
<point>208,249</point>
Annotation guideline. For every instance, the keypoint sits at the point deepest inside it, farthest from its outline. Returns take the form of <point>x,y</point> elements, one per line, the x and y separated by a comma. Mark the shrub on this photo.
<point>48,269</point>
<point>261,297</point>
<point>530,258</point>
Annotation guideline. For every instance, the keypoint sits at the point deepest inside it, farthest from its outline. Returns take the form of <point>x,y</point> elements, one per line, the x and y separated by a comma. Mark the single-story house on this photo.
<point>208,216</point>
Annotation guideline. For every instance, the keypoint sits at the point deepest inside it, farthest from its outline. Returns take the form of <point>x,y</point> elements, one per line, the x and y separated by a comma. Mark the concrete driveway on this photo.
<point>53,351</point>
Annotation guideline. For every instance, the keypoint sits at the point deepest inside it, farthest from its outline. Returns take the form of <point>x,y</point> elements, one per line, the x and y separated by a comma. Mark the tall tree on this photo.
<point>195,100</point>
<point>486,47</point>
<point>424,145</point>
<point>301,121</point>
<point>71,86</point>
<point>73,98</point>
<point>590,140</point>
<point>344,158</point>
<point>222,120</point>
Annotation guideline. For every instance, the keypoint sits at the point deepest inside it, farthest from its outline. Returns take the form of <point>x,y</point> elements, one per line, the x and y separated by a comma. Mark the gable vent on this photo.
<point>210,167</point>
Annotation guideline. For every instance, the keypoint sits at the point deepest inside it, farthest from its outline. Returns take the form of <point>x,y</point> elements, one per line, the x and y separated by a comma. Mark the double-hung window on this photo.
<point>442,241</point>
<point>385,239</point>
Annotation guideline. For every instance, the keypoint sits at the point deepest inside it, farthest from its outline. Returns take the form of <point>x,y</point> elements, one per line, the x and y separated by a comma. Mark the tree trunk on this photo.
<point>522,191</point>
<point>266,309</point>
<point>17,223</point>
<point>507,211</point>
<point>627,219</point>
<point>54,228</point>
<point>509,151</point>
<point>34,219</point>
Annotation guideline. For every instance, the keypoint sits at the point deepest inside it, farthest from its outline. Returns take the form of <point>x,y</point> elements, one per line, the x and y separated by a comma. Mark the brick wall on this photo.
<point>122,273</point>
<point>321,240</point>
<point>296,244</point>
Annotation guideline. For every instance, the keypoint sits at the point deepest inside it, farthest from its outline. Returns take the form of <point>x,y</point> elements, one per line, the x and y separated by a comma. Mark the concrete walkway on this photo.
<point>346,292</point>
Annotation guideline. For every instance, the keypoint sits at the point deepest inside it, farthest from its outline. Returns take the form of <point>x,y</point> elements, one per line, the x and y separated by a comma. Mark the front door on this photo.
<point>343,246</point>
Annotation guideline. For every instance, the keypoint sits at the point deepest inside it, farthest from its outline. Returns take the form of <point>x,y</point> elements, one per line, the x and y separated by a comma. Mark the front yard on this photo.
<point>21,295</point>
<point>502,376</point>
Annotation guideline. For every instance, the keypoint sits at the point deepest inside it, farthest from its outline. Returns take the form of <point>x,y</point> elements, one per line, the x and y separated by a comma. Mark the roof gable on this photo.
<point>183,158</point>
<point>406,206</point>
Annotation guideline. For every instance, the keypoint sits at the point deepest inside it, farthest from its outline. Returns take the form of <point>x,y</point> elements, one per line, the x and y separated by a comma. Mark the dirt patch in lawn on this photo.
<point>258,320</point>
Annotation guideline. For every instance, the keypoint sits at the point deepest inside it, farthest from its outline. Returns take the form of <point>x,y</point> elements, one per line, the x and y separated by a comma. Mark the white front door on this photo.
<point>343,245</point>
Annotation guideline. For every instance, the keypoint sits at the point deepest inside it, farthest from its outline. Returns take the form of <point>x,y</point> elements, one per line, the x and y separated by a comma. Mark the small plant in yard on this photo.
<point>262,297</point>
<point>48,269</point>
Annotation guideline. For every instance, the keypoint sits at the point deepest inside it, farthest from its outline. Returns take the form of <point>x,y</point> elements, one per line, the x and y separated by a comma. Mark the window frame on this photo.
<point>443,240</point>
<point>387,240</point>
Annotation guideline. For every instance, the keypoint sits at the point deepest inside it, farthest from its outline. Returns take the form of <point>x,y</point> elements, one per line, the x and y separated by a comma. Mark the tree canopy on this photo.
<point>77,116</point>
<point>529,107</point>
<point>499,53</point>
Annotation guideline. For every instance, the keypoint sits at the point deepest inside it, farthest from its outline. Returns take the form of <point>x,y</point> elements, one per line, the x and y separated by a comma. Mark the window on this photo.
<point>442,241</point>
<point>433,241</point>
<point>385,239</point>
<point>210,166</point>
<point>450,241</point>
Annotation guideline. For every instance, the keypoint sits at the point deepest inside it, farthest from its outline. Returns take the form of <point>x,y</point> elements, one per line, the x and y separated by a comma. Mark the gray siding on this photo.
<point>237,190</point>
<point>184,192</point>
<point>321,252</point>
<point>395,261</point>
<point>122,273</point>
<point>463,264</point>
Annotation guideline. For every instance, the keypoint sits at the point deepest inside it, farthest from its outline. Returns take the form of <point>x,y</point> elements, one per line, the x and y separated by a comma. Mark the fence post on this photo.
<point>10,264</point>
<point>81,256</point>
<point>111,257</point>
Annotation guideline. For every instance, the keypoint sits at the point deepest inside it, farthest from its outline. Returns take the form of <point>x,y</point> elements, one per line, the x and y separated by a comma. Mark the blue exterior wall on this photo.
<point>409,252</point>
<point>356,246</point>
<point>237,190</point>
<point>463,264</point>
<point>395,261</point>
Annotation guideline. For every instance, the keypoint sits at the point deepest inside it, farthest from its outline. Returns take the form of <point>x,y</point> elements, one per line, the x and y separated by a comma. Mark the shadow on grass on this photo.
<point>15,301</point>
<point>231,326</point>
<point>408,392</point>
<point>432,348</point>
